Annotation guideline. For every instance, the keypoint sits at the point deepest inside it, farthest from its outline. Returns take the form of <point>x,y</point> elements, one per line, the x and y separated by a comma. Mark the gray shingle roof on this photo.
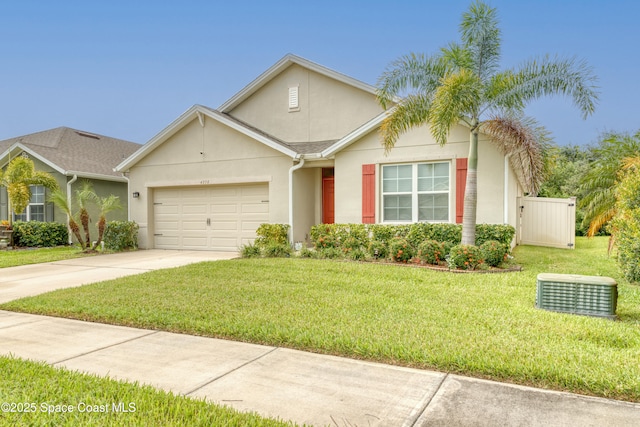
<point>76,150</point>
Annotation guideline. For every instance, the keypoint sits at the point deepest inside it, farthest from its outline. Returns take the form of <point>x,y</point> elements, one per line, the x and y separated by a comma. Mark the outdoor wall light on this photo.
<point>136,194</point>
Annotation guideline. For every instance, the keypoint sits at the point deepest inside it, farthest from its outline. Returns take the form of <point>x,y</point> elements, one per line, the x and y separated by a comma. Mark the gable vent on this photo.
<point>293,99</point>
<point>87,135</point>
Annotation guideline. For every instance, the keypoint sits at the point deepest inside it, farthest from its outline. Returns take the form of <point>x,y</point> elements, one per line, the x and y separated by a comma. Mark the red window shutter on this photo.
<point>368,194</point>
<point>461,182</point>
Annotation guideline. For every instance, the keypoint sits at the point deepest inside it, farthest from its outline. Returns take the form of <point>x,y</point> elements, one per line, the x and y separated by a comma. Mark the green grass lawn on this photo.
<point>97,401</point>
<point>482,325</point>
<point>16,257</point>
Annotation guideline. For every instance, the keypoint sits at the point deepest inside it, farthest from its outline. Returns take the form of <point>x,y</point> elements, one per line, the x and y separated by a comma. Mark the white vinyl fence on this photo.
<point>547,222</point>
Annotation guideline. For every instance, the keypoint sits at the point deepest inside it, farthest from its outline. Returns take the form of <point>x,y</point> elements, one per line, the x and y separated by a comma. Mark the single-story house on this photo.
<point>300,145</point>
<point>71,156</point>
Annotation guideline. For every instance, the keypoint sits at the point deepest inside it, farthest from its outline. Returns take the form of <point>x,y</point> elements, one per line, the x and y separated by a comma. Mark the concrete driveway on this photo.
<point>34,279</point>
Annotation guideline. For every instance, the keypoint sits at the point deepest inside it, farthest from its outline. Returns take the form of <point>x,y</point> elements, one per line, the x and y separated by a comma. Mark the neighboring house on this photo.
<point>71,156</point>
<point>300,145</point>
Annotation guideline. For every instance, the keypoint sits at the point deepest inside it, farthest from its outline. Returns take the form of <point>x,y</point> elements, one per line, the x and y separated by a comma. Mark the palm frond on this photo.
<point>457,57</point>
<point>524,140</point>
<point>458,95</point>
<point>481,36</point>
<point>412,112</point>
<point>555,76</point>
<point>415,72</point>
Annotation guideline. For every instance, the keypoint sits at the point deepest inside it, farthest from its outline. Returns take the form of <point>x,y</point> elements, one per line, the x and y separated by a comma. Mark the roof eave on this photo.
<point>20,147</point>
<point>187,117</point>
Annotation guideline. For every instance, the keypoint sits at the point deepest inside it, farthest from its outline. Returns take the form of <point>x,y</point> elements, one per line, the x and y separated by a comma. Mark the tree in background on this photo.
<point>18,177</point>
<point>626,222</point>
<point>598,185</point>
<point>463,84</point>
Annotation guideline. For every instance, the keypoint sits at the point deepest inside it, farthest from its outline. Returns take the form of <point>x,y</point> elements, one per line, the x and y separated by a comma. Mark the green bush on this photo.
<point>431,252</point>
<point>39,234</point>
<point>400,250</point>
<point>120,235</point>
<point>330,253</point>
<point>307,253</point>
<point>440,232</point>
<point>494,253</point>
<point>501,233</point>
<point>250,251</point>
<point>357,254</point>
<point>269,234</point>
<point>277,250</point>
<point>466,257</point>
<point>378,249</point>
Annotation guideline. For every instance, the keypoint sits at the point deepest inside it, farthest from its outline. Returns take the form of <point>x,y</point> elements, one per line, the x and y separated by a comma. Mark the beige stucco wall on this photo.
<point>417,146</point>
<point>228,157</point>
<point>329,109</point>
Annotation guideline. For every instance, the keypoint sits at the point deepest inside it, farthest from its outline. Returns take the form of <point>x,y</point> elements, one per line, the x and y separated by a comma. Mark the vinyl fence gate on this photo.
<point>547,222</point>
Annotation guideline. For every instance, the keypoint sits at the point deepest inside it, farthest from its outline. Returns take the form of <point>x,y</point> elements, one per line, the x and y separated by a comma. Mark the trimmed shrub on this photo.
<point>400,250</point>
<point>39,234</point>
<point>431,252</point>
<point>250,251</point>
<point>626,224</point>
<point>269,234</point>
<point>440,232</point>
<point>501,233</point>
<point>378,249</point>
<point>466,257</point>
<point>494,252</point>
<point>121,235</point>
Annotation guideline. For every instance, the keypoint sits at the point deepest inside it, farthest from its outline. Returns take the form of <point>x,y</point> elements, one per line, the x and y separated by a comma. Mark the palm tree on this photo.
<point>463,84</point>
<point>84,196</point>
<point>59,199</point>
<point>598,186</point>
<point>107,204</point>
<point>18,177</point>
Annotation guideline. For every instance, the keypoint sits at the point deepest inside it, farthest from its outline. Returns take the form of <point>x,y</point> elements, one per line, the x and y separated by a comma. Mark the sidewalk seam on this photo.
<point>105,347</point>
<point>426,405</point>
<point>206,383</point>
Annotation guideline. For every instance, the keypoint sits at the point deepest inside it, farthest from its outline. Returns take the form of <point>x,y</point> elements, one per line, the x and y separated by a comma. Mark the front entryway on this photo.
<point>220,218</point>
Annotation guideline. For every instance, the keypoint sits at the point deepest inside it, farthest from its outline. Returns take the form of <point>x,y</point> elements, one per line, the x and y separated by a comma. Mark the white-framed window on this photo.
<point>36,209</point>
<point>416,192</point>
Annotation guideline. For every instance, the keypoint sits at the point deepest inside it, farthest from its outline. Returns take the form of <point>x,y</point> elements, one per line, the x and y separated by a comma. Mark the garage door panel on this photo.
<point>228,208</point>
<point>234,213</point>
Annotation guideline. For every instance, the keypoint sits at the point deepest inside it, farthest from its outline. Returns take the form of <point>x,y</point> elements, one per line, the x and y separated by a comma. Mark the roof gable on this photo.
<point>280,66</point>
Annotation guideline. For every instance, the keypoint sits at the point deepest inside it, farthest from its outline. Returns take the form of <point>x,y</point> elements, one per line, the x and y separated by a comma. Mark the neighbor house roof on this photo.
<point>72,152</point>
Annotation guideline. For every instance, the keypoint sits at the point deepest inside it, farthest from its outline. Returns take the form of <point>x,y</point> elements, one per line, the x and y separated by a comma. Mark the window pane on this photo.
<point>396,179</point>
<point>36,213</point>
<point>37,194</point>
<point>397,208</point>
<point>441,169</point>
<point>433,207</point>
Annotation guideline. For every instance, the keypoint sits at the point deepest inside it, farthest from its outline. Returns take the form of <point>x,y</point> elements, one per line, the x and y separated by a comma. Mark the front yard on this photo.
<point>482,325</point>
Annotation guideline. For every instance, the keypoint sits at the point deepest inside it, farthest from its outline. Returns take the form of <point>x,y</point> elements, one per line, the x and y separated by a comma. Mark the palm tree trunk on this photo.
<point>471,192</point>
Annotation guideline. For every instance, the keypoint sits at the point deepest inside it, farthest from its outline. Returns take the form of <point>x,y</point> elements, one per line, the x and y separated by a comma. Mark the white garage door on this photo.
<point>219,218</point>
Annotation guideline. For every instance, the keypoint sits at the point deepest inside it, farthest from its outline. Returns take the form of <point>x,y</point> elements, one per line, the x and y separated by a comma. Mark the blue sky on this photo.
<point>127,69</point>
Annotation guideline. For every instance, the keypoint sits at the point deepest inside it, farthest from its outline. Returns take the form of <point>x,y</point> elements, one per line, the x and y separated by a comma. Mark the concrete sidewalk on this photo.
<point>277,382</point>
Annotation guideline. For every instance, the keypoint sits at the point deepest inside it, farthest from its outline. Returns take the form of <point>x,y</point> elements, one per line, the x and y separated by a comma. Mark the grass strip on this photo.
<point>17,257</point>
<point>33,393</point>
